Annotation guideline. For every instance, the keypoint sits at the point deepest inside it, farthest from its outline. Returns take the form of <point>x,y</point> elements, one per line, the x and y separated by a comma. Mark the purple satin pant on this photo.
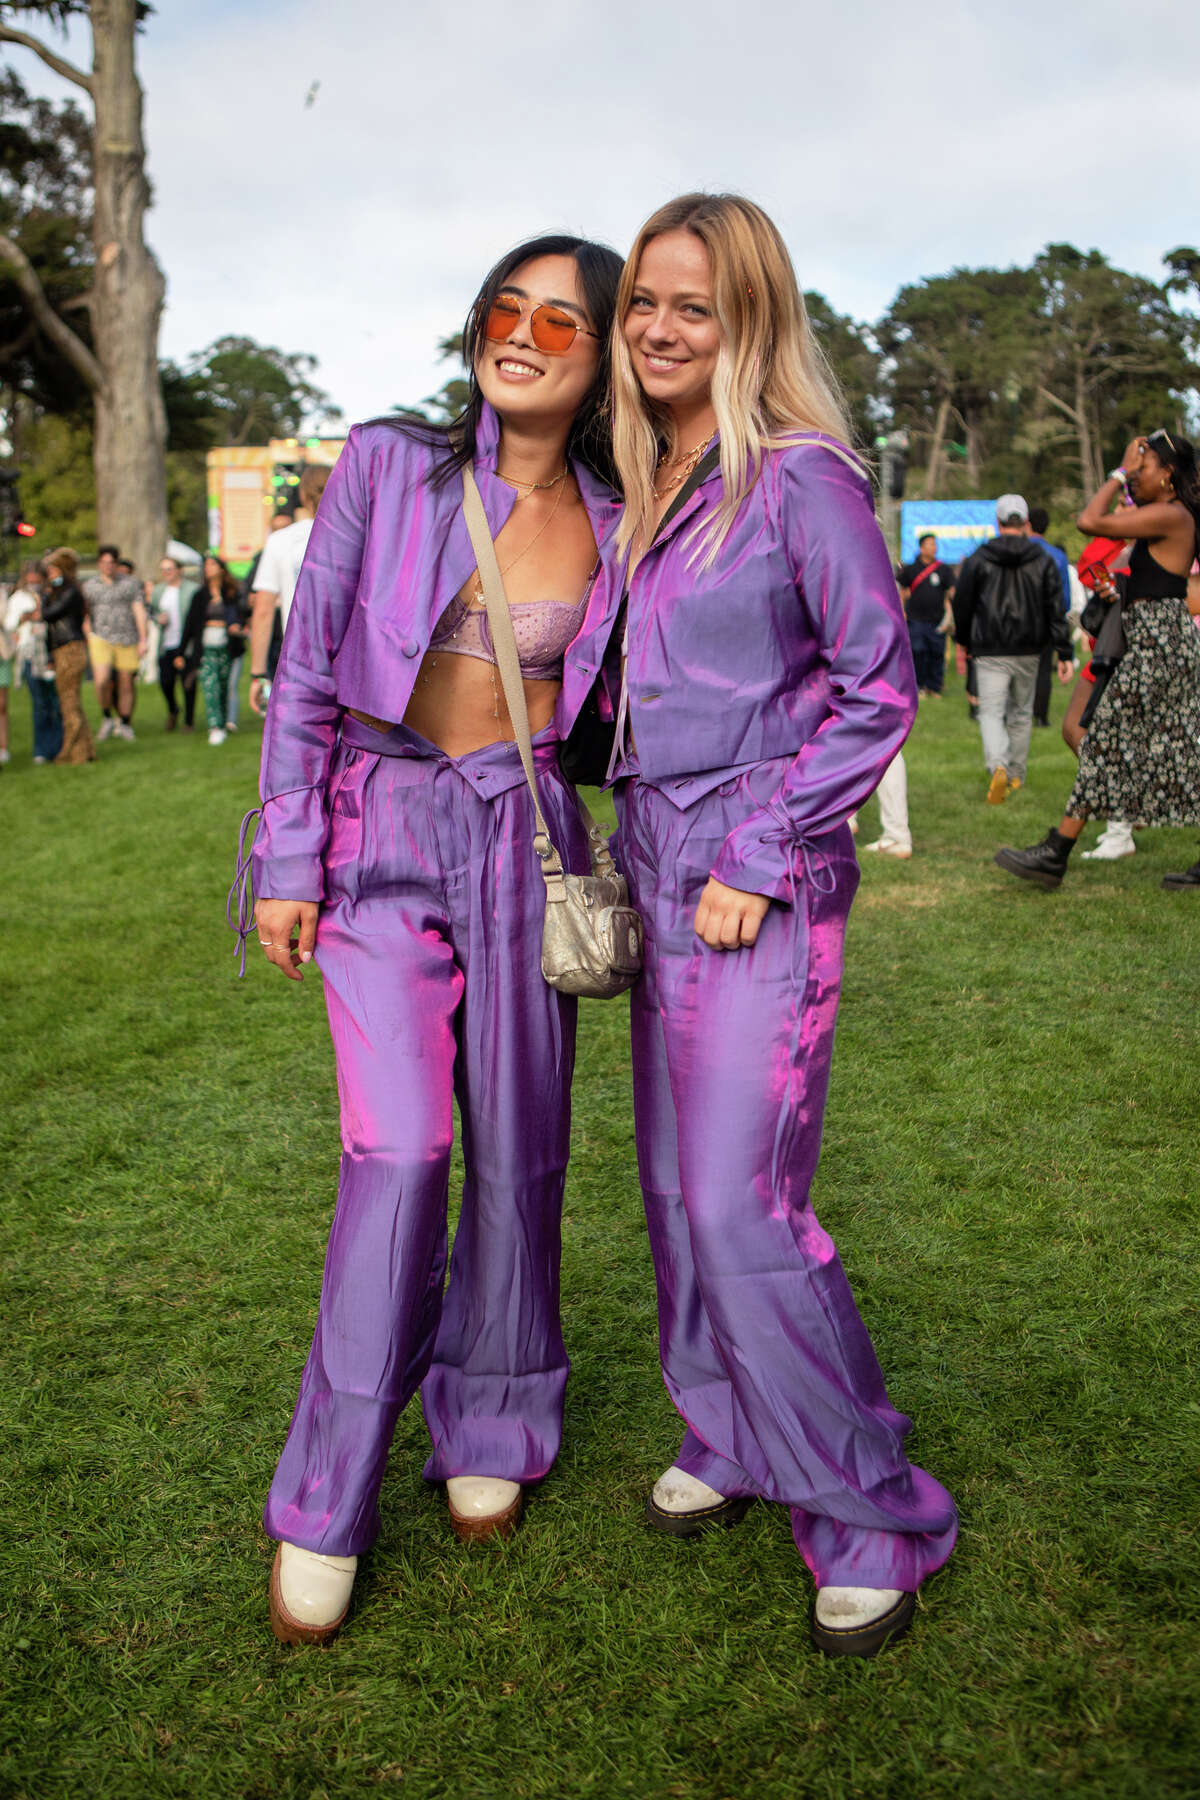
<point>763,1351</point>
<point>429,944</point>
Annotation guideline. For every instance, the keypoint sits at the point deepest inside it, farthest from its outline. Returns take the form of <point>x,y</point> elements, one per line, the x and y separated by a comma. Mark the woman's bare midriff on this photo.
<point>456,701</point>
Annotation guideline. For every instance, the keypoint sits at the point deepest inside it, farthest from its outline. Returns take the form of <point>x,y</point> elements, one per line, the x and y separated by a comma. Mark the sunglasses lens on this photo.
<point>503,318</point>
<point>552,330</point>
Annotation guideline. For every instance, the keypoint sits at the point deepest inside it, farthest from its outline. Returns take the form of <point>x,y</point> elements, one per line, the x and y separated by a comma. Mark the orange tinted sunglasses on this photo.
<point>551,329</point>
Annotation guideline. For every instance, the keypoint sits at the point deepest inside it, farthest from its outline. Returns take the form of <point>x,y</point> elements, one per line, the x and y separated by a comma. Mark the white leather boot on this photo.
<point>854,1621</point>
<point>483,1506</point>
<point>1114,842</point>
<point>681,1504</point>
<point>310,1594</point>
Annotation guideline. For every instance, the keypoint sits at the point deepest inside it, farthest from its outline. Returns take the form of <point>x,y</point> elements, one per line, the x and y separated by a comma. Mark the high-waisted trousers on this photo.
<point>763,1350</point>
<point>429,945</point>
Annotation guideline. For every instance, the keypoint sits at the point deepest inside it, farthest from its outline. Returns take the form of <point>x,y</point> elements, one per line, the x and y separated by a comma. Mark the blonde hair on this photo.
<point>65,561</point>
<point>771,386</point>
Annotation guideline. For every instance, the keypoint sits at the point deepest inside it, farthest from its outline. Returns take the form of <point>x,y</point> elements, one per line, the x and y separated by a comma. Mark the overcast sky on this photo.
<point>889,142</point>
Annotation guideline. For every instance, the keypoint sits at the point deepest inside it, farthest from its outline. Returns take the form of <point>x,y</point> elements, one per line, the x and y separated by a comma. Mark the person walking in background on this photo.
<point>1039,519</point>
<point>277,574</point>
<point>895,837</point>
<point>767,685</point>
<point>926,587</point>
<point>117,641</point>
<point>34,666</point>
<point>1139,758</point>
<point>170,601</point>
<point>1007,609</point>
<point>64,610</point>
<point>213,622</point>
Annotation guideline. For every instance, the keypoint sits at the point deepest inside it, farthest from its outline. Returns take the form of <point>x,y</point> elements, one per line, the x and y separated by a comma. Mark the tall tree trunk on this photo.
<point>127,303</point>
<point>933,474</point>
<point>974,459</point>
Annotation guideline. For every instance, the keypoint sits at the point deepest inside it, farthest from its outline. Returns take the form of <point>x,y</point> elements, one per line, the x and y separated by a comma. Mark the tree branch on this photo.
<point>1055,401</point>
<point>59,333</point>
<point>59,64</point>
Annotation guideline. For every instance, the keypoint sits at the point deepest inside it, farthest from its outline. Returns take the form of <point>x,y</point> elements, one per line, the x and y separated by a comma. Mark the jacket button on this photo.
<point>411,647</point>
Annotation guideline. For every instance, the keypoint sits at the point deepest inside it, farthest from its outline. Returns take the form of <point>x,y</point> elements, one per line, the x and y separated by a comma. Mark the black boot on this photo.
<point>1044,864</point>
<point>1187,878</point>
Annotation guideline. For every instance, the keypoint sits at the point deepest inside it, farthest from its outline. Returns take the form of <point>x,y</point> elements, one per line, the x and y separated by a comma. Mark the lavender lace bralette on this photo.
<point>542,628</point>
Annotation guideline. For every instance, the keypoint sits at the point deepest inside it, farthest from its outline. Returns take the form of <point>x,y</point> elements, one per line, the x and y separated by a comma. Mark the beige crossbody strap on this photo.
<point>508,661</point>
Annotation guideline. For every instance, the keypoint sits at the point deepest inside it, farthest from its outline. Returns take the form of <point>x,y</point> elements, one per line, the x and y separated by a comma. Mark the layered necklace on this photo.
<point>684,466</point>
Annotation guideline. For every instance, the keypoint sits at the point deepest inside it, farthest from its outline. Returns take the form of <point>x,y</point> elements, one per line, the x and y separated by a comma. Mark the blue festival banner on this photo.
<point>959,525</point>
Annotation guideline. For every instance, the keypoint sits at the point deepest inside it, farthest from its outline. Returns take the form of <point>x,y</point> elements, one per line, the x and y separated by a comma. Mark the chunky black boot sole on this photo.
<point>705,1518</point>
<point>866,1640</point>
<point>1043,878</point>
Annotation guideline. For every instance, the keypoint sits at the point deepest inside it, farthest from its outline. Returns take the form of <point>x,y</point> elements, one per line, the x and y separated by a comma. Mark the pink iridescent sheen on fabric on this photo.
<point>767,696</point>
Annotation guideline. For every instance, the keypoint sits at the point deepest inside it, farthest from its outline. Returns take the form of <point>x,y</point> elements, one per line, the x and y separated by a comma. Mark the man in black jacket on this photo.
<point>1007,609</point>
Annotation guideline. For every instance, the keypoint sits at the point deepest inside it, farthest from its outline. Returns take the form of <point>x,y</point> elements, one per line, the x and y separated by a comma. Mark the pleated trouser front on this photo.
<point>763,1350</point>
<point>429,944</point>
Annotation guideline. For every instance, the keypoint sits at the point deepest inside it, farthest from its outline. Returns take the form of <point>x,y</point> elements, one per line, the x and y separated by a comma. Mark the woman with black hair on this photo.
<point>396,849</point>
<point>1140,757</point>
<point>214,625</point>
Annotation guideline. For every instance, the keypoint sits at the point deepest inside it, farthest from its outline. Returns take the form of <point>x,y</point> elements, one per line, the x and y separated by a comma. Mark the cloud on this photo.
<point>888,143</point>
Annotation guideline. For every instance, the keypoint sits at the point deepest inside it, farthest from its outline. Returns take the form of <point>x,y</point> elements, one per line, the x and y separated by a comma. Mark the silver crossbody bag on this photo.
<point>592,937</point>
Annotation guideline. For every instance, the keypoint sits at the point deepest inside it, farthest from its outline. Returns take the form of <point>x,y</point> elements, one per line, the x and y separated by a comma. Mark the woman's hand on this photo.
<point>726,918</point>
<point>1131,460</point>
<point>179,662</point>
<point>287,931</point>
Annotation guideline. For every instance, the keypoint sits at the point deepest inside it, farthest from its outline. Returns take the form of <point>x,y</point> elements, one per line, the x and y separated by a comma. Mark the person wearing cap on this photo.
<point>1007,609</point>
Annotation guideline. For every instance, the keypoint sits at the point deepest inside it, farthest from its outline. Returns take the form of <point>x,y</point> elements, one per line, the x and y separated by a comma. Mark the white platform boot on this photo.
<point>483,1506</point>
<point>854,1621</point>
<point>681,1505</point>
<point>310,1594</point>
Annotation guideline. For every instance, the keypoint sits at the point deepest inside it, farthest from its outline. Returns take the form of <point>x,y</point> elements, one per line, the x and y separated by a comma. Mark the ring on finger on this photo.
<point>267,943</point>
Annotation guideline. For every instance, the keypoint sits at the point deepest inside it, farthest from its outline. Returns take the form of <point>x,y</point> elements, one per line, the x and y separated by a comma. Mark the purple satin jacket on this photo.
<point>792,645</point>
<point>386,556</point>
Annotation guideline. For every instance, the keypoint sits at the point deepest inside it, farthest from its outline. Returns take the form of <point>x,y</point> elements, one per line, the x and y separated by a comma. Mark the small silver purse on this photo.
<point>592,936</point>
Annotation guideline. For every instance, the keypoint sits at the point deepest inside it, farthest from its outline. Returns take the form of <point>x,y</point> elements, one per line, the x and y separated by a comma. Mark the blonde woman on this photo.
<point>767,685</point>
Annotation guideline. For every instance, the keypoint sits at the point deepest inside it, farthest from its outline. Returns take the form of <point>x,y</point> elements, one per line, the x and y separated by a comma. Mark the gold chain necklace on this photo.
<point>686,464</point>
<point>531,487</point>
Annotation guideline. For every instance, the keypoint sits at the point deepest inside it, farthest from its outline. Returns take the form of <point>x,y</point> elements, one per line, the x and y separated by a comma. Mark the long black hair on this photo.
<point>590,437</point>
<point>1176,454</point>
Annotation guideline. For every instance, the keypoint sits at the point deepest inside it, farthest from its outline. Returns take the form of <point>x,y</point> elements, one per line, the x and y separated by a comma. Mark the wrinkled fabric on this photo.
<point>793,645</point>
<point>762,1347</point>
<point>428,943</point>
<point>386,556</point>
<point>768,695</point>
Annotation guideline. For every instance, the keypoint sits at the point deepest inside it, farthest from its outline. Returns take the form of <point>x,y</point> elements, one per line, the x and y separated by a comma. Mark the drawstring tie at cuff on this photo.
<point>239,905</point>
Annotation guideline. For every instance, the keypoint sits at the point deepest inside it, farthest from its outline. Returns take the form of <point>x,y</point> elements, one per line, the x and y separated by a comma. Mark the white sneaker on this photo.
<point>310,1594</point>
<point>122,730</point>
<point>216,735</point>
<point>890,847</point>
<point>107,727</point>
<point>6,757</point>
<point>483,1506</point>
<point>231,724</point>
<point>1115,841</point>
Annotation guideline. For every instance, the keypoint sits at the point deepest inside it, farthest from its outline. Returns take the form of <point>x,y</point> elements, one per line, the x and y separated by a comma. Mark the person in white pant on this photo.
<point>895,838</point>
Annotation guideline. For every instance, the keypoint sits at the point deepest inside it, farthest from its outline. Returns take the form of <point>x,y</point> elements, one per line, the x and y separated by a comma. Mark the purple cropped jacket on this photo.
<point>386,556</point>
<point>792,645</point>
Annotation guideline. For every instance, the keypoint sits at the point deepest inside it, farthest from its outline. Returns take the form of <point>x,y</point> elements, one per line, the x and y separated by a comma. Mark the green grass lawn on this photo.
<point>1009,1170</point>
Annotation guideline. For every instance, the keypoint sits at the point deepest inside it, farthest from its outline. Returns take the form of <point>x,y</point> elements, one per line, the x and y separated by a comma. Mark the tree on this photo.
<point>1115,353</point>
<point>451,397</point>
<point>46,208</point>
<point>252,392</point>
<point>854,358</point>
<point>119,361</point>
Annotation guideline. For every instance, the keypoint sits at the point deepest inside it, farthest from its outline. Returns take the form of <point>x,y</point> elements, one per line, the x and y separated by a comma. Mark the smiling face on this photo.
<point>106,562</point>
<point>671,327</point>
<point>531,386</point>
